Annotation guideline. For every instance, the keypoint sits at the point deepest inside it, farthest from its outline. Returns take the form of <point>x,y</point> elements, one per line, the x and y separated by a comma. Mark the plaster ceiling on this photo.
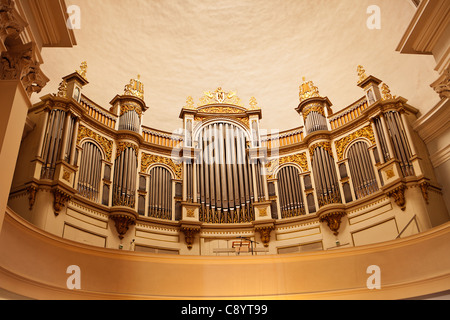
<point>255,47</point>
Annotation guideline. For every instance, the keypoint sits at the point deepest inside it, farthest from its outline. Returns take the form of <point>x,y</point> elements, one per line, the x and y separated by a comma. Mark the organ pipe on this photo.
<point>224,174</point>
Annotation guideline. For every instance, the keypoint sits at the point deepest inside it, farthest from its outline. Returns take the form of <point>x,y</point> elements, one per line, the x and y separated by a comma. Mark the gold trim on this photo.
<point>341,145</point>
<point>148,159</point>
<point>107,145</point>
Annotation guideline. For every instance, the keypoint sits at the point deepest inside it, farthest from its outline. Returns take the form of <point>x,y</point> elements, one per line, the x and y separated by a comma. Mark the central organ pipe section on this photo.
<point>224,173</point>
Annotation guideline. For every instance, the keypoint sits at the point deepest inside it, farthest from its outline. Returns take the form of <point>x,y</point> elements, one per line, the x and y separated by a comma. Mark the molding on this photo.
<point>440,157</point>
<point>426,27</point>
<point>435,122</point>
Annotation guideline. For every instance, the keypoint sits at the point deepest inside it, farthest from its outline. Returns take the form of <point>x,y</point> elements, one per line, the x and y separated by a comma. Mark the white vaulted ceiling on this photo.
<point>258,48</point>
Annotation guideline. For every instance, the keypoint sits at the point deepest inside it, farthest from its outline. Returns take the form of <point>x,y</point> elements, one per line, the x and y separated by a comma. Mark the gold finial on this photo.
<point>135,88</point>
<point>386,92</point>
<point>62,89</point>
<point>361,73</point>
<point>253,103</point>
<point>308,90</point>
<point>83,69</point>
<point>190,103</point>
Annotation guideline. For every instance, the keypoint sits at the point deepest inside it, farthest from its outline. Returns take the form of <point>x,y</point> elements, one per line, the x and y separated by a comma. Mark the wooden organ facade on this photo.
<point>96,175</point>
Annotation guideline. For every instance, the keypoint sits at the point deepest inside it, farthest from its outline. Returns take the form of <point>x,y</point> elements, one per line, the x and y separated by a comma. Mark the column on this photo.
<point>387,137</point>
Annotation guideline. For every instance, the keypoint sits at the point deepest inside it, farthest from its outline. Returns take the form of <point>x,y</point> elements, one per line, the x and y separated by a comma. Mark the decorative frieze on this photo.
<point>341,144</point>
<point>148,159</point>
<point>107,145</point>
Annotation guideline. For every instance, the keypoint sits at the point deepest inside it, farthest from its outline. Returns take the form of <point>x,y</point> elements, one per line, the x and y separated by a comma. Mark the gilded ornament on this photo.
<point>220,97</point>
<point>131,107</point>
<point>361,73</point>
<point>399,196</point>
<point>62,89</point>
<point>386,92</point>
<point>299,158</point>
<point>190,103</point>
<point>333,221</point>
<point>325,145</point>
<point>264,232</point>
<point>122,223</point>
<point>83,69</point>
<point>317,107</point>
<point>308,90</point>
<point>341,145</point>
<point>135,88</point>
<point>148,159</point>
<point>121,146</point>
<point>253,104</point>
<point>106,144</point>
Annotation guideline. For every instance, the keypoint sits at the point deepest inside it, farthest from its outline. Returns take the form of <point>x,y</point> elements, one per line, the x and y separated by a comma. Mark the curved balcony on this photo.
<point>34,263</point>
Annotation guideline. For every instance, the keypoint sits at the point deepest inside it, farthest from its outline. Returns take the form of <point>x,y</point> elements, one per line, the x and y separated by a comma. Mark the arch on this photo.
<point>360,139</point>
<point>200,126</point>
<point>160,195</point>
<point>290,191</point>
<point>88,139</point>
<point>165,166</point>
<point>89,174</point>
<point>361,169</point>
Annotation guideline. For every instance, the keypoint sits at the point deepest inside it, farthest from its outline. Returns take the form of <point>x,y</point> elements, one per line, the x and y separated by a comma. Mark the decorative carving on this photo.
<point>122,223</point>
<point>106,144</point>
<point>390,173</point>
<point>317,107</point>
<point>399,196</point>
<point>135,88</point>
<point>325,145</point>
<point>62,89</point>
<point>11,23</point>
<point>190,212</point>
<point>424,188</point>
<point>308,90</point>
<point>442,84</point>
<point>83,69</point>
<point>221,109</point>
<point>361,73</point>
<point>341,145</point>
<point>32,190</point>
<point>189,234</point>
<point>253,104</point>
<point>60,199</point>
<point>130,107</point>
<point>66,175</point>
<point>264,232</point>
<point>18,64</point>
<point>219,96</point>
<point>148,159</point>
<point>333,221</point>
<point>190,103</point>
<point>386,92</point>
<point>263,212</point>
<point>299,158</point>
<point>121,146</point>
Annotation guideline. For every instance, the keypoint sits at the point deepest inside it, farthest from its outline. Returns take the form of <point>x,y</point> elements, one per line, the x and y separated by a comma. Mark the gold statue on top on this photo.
<point>135,88</point>
<point>361,73</point>
<point>83,69</point>
<point>308,90</point>
<point>386,92</point>
<point>253,104</point>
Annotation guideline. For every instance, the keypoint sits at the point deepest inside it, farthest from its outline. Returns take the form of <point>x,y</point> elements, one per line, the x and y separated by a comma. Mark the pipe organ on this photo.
<point>90,172</point>
<point>223,172</point>
<point>225,175</point>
